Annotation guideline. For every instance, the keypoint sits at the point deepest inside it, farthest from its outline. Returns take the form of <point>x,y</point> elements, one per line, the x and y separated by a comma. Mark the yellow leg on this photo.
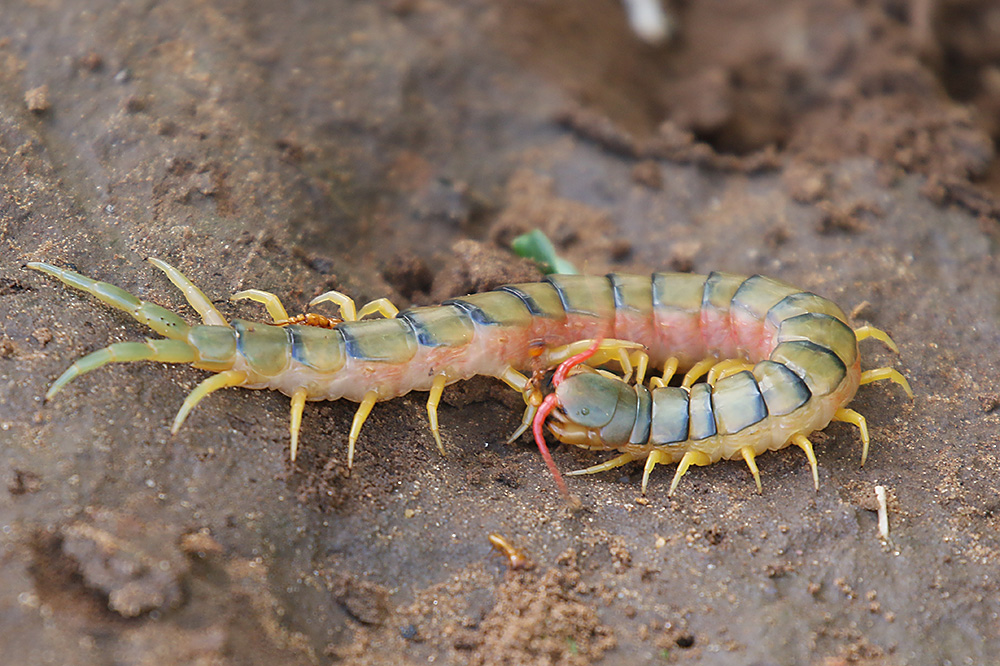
<point>381,305</point>
<point>432,408</point>
<point>617,461</point>
<point>360,416</point>
<point>641,360</point>
<point>271,302</point>
<point>669,368</point>
<point>213,383</point>
<point>652,460</point>
<point>195,298</point>
<point>348,311</point>
<point>626,364</point>
<point>607,351</point>
<point>852,417</point>
<point>803,443</point>
<point>879,374</point>
<point>750,457</point>
<point>298,404</point>
<point>729,366</point>
<point>690,458</point>
<point>699,369</point>
<point>865,332</point>
<point>522,385</point>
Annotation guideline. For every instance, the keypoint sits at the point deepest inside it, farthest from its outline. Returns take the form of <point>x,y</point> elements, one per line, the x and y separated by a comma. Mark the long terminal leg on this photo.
<point>360,416</point>
<point>213,383</point>
<point>852,417</point>
<point>880,374</point>
<point>803,443</point>
<point>195,298</point>
<point>298,404</point>
<point>432,406</point>
<point>164,351</point>
<point>750,457</point>
<point>163,321</point>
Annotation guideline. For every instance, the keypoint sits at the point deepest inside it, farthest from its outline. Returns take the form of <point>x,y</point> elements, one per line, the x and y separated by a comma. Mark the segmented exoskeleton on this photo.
<point>682,320</point>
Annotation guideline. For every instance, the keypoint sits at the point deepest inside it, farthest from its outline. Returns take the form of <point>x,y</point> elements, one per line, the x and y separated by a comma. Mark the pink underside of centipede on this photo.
<point>689,337</point>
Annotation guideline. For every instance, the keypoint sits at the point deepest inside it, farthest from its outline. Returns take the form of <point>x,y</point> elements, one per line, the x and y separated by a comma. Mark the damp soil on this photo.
<point>393,149</point>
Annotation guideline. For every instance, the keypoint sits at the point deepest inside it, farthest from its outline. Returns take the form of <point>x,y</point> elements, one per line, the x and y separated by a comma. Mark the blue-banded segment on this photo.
<point>783,390</point>
<point>758,294</point>
<point>819,368</point>
<point>384,340</point>
<point>680,292</point>
<point>737,403</point>
<point>801,303</point>
<point>719,291</point>
<point>632,292</point>
<point>265,348</point>
<point>494,308</point>
<point>702,422</point>
<point>670,416</point>
<point>439,326</point>
<point>643,415</point>
<point>584,295</point>
<point>824,330</point>
<point>321,349</point>
<point>541,299</point>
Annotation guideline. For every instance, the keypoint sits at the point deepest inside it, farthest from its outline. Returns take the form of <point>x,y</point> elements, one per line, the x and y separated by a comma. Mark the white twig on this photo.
<point>883,513</point>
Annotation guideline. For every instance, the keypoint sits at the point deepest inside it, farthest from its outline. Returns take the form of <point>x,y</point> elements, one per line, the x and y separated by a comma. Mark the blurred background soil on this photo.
<point>393,148</point>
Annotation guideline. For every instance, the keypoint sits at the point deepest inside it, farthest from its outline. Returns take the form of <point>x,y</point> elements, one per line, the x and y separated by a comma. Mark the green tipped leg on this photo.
<point>164,351</point>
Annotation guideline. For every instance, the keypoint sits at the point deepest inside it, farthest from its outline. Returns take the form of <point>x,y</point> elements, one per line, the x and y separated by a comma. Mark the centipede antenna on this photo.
<point>536,427</point>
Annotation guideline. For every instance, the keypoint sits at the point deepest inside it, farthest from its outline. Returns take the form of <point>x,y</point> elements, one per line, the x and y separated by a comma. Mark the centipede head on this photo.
<point>552,401</point>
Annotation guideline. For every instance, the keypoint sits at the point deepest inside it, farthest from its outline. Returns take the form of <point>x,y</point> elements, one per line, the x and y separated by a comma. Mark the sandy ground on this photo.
<point>393,148</point>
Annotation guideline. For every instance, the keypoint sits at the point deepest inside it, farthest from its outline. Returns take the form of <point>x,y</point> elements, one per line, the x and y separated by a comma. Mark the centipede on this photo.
<point>781,362</point>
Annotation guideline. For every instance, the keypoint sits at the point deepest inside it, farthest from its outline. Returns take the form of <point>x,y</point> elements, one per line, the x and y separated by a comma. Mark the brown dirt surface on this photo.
<point>393,149</point>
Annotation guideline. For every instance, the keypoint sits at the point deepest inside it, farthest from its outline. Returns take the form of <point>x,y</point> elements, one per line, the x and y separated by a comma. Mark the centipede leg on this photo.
<point>210,385</point>
<point>880,374</point>
<point>669,369</point>
<point>651,462</point>
<point>348,310</point>
<point>617,461</point>
<point>803,443</point>
<point>360,416</point>
<point>697,370</point>
<point>522,385</point>
<point>194,296</point>
<point>164,351</point>
<point>271,302</point>
<point>690,458</point>
<point>750,457</point>
<point>725,368</point>
<point>298,404</point>
<point>383,306</point>
<point>865,332</point>
<point>437,388</point>
<point>850,416</point>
